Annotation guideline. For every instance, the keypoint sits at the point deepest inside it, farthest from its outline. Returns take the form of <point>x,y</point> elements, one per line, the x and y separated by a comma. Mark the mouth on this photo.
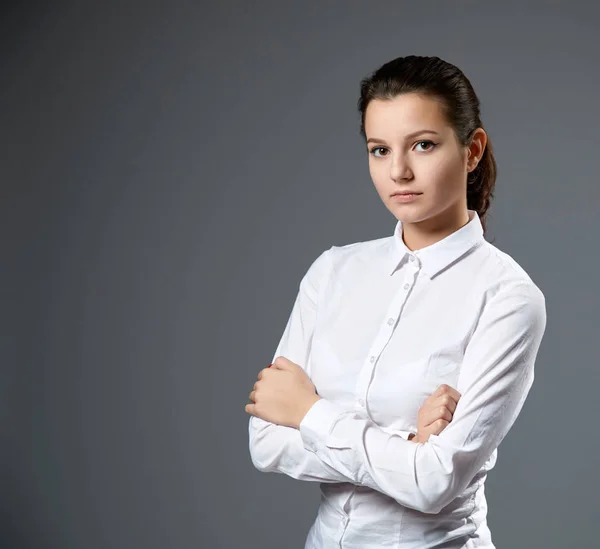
<point>405,196</point>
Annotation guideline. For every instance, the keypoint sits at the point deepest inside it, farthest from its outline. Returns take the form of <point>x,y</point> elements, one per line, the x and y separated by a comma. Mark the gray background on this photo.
<point>169,171</point>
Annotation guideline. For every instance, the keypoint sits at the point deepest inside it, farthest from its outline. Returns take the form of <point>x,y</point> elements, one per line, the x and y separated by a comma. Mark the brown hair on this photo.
<point>433,77</point>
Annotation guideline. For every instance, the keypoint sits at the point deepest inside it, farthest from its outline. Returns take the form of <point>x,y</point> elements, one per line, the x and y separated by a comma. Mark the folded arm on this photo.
<point>277,448</point>
<point>496,374</point>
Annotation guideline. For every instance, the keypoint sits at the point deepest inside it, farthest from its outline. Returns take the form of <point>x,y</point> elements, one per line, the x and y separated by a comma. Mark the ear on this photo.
<point>476,148</point>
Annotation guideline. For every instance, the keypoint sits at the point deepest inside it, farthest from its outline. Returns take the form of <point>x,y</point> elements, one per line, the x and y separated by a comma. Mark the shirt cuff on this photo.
<point>315,429</point>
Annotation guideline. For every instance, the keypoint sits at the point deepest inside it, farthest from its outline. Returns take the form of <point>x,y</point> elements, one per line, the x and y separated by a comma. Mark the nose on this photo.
<point>400,169</point>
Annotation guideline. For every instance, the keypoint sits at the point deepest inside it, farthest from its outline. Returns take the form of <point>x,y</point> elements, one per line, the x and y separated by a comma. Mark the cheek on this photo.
<point>447,180</point>
<point>378,177</point>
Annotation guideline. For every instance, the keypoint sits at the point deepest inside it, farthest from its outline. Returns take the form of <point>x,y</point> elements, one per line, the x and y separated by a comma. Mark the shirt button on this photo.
<point>372,359</point>
<point>411,258</point>
<point>406,286</point>
<point>390,321</point>
<point>361,402</point>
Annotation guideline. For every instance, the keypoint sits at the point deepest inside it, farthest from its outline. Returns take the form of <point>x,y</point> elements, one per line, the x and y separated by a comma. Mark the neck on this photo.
<point>429,231</point>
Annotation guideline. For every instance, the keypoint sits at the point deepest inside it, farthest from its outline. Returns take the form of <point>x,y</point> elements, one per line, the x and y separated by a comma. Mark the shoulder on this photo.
<point>507,283</point>
<point>354,254</point>
<point>345,258</point>
<point>500,268</point>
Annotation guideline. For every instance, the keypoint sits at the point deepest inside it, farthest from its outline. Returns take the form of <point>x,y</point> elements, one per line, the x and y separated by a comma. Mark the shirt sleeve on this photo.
<point>278,448</point>
<point>496,374</point>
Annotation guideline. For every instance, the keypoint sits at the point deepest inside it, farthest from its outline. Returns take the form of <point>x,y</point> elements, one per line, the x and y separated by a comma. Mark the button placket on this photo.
<point>385,333</point>
<point>366,374</point>
<point>362,383</point>
<point>412,269</point>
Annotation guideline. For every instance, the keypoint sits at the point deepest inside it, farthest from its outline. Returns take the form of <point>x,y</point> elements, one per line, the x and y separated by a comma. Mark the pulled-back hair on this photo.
<point>438,79</point>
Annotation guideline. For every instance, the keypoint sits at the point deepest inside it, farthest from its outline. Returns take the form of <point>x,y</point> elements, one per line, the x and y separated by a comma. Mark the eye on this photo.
<point>372,151</point>
<point>433,145</point>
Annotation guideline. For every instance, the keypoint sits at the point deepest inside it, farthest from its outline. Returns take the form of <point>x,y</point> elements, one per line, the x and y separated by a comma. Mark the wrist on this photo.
<point>306,406</point>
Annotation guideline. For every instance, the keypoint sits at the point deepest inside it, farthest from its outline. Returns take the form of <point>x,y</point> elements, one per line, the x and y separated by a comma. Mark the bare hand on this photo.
<point>436,413</point>
<point>283,394</point>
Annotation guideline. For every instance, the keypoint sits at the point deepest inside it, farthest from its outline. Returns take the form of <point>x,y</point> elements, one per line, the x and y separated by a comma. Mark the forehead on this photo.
<point>404,114</point>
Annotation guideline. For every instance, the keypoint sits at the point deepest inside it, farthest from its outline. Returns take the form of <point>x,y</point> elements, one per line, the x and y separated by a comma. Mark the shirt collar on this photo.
<point>441,254</point>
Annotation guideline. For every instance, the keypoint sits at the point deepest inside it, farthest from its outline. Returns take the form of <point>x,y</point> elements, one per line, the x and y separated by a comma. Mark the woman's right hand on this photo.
<point>436,413</point>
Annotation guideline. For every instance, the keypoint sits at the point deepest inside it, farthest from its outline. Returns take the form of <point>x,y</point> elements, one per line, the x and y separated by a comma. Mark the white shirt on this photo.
<point>378,328</point>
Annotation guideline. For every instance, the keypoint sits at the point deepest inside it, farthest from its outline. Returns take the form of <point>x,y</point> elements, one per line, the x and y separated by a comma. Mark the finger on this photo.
<point>249,409</point>
<point>442,407</point>
<point>444,392</point>
<point>445,389</point>
<point>279,363</point>
<point>282,363</point>
<point>453,393</point>
<point>263,372</point>
<point>438,426</point>
<point>252,396</point>
<point>446,401</point>
<point>436,413</point>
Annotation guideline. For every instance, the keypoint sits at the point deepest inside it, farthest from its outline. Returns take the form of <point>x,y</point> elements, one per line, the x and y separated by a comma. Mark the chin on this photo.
<point>408,213</point>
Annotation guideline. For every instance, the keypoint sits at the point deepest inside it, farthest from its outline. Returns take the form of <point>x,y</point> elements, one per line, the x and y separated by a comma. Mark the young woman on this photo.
<point>378,325</point>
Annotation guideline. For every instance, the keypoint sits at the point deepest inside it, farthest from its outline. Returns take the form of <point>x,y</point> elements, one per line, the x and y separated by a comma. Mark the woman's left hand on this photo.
<point>283,394</point>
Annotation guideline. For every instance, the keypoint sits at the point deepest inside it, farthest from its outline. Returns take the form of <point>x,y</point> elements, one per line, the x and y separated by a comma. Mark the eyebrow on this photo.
<point>409,136</point>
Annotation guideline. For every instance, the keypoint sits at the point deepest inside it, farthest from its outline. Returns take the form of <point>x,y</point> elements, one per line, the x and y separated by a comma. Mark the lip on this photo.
<point>405,196</point>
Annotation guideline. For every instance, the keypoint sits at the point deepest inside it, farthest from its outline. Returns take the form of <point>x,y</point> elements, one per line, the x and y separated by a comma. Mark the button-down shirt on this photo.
<point>378,328</point>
